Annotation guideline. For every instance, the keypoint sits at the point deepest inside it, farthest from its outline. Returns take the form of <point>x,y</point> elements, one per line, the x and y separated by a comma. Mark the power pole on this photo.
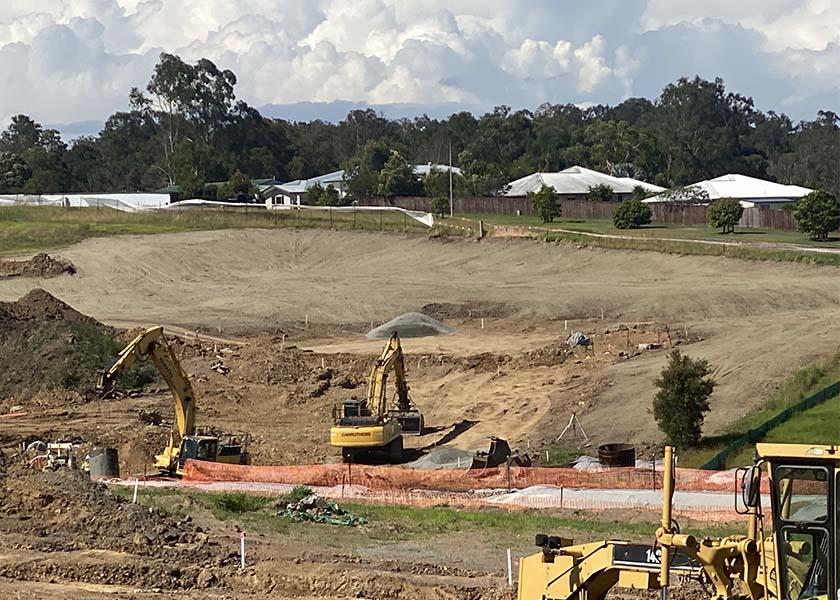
<point>451,204</point>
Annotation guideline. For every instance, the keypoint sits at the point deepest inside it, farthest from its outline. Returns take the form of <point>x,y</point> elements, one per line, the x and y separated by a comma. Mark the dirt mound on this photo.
<point>467,310</point>
<point>64,511</point>
<point>410,325</point>
<point>46,344</point>
<point>40,265</point>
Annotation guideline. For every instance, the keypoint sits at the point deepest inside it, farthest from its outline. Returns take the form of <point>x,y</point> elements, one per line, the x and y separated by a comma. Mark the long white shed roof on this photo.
<point>576,180</point>
<point>746,189</point>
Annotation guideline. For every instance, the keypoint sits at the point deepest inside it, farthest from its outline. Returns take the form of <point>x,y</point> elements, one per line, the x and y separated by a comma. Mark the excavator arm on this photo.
<point>152,344</point>
<point>391,359</point>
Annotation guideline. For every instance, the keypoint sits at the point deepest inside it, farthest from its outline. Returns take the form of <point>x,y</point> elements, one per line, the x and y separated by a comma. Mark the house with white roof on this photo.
<point>751,192</point>
<point>294,192</point>
<point>574,183</point>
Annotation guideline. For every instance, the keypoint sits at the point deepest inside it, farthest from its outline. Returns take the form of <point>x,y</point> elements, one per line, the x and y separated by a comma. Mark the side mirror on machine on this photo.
<point>751,487</point>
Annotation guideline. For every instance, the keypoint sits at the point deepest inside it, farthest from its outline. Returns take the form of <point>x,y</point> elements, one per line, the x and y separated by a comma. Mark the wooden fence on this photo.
<point>673,214</point>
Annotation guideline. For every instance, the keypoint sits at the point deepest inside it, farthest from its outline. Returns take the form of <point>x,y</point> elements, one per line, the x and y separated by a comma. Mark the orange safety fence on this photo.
<point>455,480</point>
<point>699,506</point>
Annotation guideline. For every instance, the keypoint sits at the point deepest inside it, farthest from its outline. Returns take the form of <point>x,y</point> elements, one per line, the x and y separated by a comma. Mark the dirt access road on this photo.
<point>759,321</point>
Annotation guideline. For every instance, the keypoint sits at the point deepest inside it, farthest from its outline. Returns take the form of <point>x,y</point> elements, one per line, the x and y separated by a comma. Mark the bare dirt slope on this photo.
<point>759,321</point>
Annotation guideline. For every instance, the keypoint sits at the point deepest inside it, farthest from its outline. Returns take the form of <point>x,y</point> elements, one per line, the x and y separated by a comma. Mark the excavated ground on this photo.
<point>302,301</point>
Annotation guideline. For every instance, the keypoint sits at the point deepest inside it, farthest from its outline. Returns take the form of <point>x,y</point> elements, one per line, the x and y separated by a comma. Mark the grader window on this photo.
<point>803,494</point>
<point>806,562</point>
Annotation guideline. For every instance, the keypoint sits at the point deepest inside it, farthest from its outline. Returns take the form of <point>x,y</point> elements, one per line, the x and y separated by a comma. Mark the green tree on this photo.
<point>361,172</point>
<point>601,192</point>
<point>14,172</point>
<point>397,178</point>
<point>440,206</point>
<point>329,197</point>
<point>639,193</point>
<point>690,194</point>
<point>436,183</point>
<point>818,214</point>
<point>681,404</point>
<point>631,214</point>
<point>239,183</point>
<point>725,213</point>
<point>545,203</point>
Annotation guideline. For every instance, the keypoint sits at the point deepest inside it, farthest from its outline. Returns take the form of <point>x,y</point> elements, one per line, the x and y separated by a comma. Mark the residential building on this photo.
<point>750,191</point>
<point>574,183</point>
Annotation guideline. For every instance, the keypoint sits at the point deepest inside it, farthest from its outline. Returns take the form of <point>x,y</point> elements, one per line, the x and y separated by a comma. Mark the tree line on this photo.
<point>187,128</point>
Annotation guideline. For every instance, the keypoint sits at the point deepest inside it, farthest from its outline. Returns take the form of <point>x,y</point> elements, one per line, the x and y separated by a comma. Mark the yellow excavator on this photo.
<point>798,560</point>
<point>368,427</point>
<point>184,442</point>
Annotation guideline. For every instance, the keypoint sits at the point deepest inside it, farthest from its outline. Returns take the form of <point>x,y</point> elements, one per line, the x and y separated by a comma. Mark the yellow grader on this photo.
<point>796,560</point>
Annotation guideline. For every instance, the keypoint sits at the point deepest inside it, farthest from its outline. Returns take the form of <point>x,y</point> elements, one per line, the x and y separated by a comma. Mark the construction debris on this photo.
<point>40,265</point>
<point>315,509</point>
<point>578,339</point>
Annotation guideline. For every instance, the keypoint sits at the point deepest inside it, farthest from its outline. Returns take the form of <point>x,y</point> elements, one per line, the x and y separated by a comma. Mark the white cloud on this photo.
<point>478,52</point>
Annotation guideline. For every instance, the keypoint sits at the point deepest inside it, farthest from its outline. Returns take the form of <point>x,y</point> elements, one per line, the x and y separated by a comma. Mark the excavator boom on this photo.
<point>152,344</point>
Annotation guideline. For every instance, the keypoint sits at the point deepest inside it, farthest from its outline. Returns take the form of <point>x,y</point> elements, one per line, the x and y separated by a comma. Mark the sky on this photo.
<point>75,60</point>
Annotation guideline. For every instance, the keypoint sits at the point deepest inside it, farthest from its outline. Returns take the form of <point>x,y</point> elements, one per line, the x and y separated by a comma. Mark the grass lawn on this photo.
<point>26,229</point>
<point>660,230</point>
<point>818,425</point>
<point>387,523</point>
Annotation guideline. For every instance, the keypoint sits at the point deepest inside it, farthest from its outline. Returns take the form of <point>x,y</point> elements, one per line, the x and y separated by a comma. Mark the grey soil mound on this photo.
<point>444,458</point>
<point>410,325</point>
<point>40,265</point>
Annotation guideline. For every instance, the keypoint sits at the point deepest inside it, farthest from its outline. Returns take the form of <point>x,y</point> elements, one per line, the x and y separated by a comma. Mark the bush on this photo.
<point>601,192</point>
<point>818,214</point>
<point>440,206</point>
<point>240,503</point>
<point>725,213</point>
<point>631,214</point>
<point>681,404</point>
<point>545,203</point>
<point>298,493</point>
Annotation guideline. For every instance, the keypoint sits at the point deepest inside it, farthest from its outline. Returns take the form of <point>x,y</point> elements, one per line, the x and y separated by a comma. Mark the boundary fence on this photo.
<point>674,214</point>
<point>718,462</point>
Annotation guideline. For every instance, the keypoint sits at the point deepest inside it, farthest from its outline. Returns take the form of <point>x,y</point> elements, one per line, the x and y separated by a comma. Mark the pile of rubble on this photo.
<point>40,265</point>
<point>315,509</point>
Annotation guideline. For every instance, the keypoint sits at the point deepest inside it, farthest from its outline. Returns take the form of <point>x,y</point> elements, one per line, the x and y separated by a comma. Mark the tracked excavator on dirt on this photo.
<point>185,441</point>
<point>797,560</point>
<point>369,427</point>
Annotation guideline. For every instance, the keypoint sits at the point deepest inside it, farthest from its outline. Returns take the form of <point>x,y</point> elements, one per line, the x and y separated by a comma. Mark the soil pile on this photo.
<point>40,265</point>
<point>410,325</point>
<point>65,512</point>
<point>44,343</point>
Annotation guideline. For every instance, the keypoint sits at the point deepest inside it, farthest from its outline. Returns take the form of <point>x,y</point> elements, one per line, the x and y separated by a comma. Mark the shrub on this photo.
<point>239,503</point>
<point>631,214</point>
<point>601,192</point>
<point>818,214</point>
<point>298,493</point>
<point>725,213</point>
<point>440,206</point>
<point>545,203</point>
<point>681,404</point>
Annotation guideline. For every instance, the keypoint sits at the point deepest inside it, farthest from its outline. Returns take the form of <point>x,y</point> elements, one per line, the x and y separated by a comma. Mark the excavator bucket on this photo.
<point>497,453</point>
<point>411,421</point>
